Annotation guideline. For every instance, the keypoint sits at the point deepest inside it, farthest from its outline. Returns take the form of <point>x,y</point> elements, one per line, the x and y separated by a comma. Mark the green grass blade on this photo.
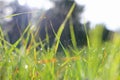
<point>14,46</point>
<point>87,35</point>
<point>60,30</point>
<point>73,35</point>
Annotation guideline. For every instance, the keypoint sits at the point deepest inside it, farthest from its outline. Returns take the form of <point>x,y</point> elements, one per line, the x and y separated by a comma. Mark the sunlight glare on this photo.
<point>46,4</point>
<point>22,2</point>
<point>102,11</point>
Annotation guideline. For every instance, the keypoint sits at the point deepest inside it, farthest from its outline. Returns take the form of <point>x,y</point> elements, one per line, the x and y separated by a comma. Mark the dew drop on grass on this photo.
<point>103,49</point>
<point>85,52</point>
<point>26,66</point>
<point>9,61</point>
<point>3,56</point>
<point>43,65</point>
<point>58,64</point>
<point>38,58</point>
<point>41,49</point>
<point>69,65</point>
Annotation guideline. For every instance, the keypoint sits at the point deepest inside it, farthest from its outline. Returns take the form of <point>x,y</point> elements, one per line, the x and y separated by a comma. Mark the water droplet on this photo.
<point>103,48</point>
<point>9,61</point>
<point>58,64</point>
<point>69,65</point>
<point>41,49</point>
<point>26,66</point>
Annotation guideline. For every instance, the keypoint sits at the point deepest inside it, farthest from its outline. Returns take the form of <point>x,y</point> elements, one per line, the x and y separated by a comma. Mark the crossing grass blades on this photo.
<point>96,61</point>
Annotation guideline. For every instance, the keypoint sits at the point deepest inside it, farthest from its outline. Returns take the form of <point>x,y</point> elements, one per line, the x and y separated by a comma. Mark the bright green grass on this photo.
<point>97,61</point>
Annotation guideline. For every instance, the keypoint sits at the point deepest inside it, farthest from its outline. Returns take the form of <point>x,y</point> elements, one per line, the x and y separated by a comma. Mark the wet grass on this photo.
<point>97,61</point>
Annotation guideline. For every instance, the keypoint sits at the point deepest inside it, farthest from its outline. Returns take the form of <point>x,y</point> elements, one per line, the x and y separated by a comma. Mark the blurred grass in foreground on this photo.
<point>98,61</point>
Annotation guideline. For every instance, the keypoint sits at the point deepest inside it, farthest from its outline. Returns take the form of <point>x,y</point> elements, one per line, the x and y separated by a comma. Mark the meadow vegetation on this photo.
<point>97,60</point>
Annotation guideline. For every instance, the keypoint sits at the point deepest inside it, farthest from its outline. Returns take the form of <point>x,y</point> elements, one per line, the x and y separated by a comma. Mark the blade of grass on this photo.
<point>60,30</point>
<point>12,15</point>
<point>73,35</point>
<point>18,41</point>
<point>88,40</point>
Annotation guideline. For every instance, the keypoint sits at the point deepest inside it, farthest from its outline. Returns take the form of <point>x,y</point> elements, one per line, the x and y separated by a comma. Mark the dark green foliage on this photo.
<point>107,34</point>
<point>53,19</point>
<point>19,22</point>
<point>49,25</point>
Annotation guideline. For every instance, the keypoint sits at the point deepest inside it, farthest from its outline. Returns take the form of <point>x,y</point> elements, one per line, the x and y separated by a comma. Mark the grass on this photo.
<point>97,61</point>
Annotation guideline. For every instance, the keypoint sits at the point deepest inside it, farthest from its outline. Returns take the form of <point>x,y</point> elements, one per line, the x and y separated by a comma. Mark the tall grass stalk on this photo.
<point>97,61</point>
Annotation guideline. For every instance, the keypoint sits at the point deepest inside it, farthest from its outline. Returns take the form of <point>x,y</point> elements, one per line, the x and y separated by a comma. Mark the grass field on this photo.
<point>96,61</point>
